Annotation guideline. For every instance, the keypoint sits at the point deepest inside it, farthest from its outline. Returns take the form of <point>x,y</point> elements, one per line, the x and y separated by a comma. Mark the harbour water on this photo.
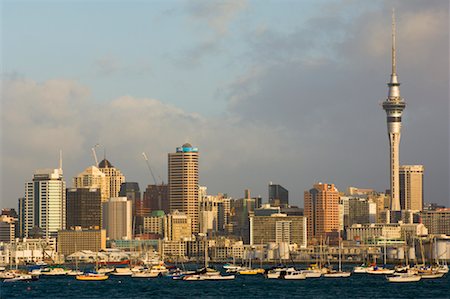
<point>357,286</point>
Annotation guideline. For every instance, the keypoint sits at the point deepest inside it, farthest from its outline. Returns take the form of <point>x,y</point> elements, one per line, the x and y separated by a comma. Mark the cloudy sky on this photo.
<point>281,91</point>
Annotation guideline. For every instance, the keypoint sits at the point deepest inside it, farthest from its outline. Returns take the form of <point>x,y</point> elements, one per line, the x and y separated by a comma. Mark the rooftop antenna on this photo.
<point>394,66</point>
<point>60,161</point>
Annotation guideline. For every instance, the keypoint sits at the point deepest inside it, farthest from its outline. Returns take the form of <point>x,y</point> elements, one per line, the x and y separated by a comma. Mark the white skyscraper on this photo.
<point>394,106</point>
<point>45,203</point>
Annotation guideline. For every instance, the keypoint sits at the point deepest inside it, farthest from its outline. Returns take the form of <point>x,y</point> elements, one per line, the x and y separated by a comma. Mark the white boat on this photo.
<point>122,272</point>
<point>380,271</point>
<point>145,274</point>
<point>55,272</point>
<point>218,277</point>
<point>194,277</point>
<point>294,275</point>
<point>312,273</point>
<point>431,275</point>
<point>362,269</point>
<point>443,269</point>
<point>7,275</point>
<point>20,277</point>
<point>105,270</point>
<point>404,278</point>
<point>74,273</point>
<point>337,274</point>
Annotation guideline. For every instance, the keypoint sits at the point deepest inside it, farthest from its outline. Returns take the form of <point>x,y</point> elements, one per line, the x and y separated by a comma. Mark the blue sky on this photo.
<point>281,91</point>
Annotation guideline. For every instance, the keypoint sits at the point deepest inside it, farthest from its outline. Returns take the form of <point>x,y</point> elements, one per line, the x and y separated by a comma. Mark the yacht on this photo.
<point>404,277</point>
<point>122,272</point>
<point>92,277</point>
<point>20,277</point>
<point>380,271</point>
<point>294,275</point>
<point>362,269</point>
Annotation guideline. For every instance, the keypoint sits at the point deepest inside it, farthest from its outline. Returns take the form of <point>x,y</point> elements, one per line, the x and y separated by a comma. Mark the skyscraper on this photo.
<point>117,219</point>
<point>92,177</point>
<point>411,187</point>
<point>183,182</point>
<point>394,106</point>
<point>84,208</point>
<point>45,203</point>
<point>322,210</point>
<point>114,177</point>
<point>156,197</point>
<point>278,195</point>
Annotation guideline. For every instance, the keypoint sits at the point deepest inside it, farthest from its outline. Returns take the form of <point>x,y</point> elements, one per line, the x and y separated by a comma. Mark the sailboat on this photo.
<point>93,276</point>
<point>339,273</point>
<point>381,270</point>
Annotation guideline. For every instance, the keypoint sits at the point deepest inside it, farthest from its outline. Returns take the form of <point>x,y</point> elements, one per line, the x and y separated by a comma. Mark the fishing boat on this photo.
<point>92,277</point>
<point>404,277</point>
<point>294,275</point>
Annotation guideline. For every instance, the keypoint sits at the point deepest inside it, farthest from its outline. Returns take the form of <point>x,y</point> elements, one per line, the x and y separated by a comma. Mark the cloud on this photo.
<point>109,65</point>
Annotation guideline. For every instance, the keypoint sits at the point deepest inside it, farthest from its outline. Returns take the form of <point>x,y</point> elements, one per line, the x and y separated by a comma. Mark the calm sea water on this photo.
<point>357,286</point>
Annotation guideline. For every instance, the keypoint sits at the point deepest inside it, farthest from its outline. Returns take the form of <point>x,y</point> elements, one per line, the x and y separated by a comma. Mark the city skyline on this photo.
<point>298,100</point>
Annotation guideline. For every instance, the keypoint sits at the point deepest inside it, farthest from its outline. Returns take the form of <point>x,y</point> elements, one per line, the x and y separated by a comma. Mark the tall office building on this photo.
<point>114,177</point>
<point>45,203</point>
<point>21,216</point>
<point>156,198</point>
<point>84,208</point>
<point>278,196</point>
<point>322,210</point>
<point>117,218</point>
<point>394,106</point>
<point>177,227</point>
<point>131,191</point>
<point>411,187</point>
<point>183,183</point>
<point>92,177</point>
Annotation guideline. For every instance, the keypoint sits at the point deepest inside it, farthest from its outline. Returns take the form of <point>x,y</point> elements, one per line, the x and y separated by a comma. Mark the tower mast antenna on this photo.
<point>394,65</point>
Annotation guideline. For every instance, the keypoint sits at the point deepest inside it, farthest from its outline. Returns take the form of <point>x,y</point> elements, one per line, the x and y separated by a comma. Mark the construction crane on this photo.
<point>95,154</point>
<point>149,168</point>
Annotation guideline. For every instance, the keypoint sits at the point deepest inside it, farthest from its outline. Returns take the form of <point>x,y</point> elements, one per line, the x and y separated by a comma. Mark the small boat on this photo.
<point>431,274</point>
<point>195,277</point>
<point>362,269</point>
<point>7,275</point>
<point>337,274</point>
<point>380,271</point>
<point>404,278</point>
<point>278,272</point>
<point>247,271</point>
<point>122,272</point>
<point>20,277</point>
<point>145,274</point>
<point>92,277</point>
<point>219,277</point>
<point>442,269</point>
<point>54,272</point>
<point>105,270</point>
<point>294,275</point>
<point>74,273</point>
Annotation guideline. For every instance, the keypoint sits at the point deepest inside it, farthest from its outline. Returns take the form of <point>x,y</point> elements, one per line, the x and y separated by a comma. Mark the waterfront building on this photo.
<point>92,177</point>
<point>278,228</point>
<point>437,221</point>
<point>370,233</point>
<point>411,187</point>
<point>156,198</point>
<point>114,177</point>
<point>29,250</point>
<point>278,195</point>
<point>322,210</point>
<point>173,249</point>
<point>77,239</point>
<point>394,106</point>
<point>84,207</point>
<point>177,226</point>
<point>183,183</point>
<point>7,228</point>
<point>45,203</point>
<point>154,224</point>
<point>117,218</point>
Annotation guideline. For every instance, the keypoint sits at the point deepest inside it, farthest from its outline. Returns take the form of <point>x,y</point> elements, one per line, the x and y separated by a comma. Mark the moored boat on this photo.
<point>294,275</point>
<point>404,278</point>
<point>20,277</point>
<point>92,277</point>
<point>337,274</point>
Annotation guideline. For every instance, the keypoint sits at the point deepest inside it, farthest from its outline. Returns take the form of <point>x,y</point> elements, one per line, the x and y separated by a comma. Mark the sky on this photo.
<point>287,92</point>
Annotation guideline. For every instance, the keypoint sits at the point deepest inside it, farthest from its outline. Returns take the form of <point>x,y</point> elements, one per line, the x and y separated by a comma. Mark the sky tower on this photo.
<point>394,106</point>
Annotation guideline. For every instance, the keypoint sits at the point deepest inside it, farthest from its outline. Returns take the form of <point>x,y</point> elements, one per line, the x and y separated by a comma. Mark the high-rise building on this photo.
<point>114,177</point>
<point>278,195</point>
<point>411,187</point>
<point>156,198</point>
<point>183,183</point>
<point>21,217</point>
<point>45,203</point>
<point>7,228</point>
<point>77,239</point>
<point>437,221</point>
<point>243,209</point>
<point>117,218</point>
<point>84,208</point>
<point>394,106</point>
<point>92,177</point>
<point>224,214</point>
<point>278,228</point>
<point>322,210</point>
<point>177,227</point>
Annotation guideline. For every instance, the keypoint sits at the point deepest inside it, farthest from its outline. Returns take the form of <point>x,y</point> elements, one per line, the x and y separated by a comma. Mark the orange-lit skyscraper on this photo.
<point>322,210</point>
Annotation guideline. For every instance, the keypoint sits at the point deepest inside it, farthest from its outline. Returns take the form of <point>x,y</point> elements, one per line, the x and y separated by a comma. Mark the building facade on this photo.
<point>322,210</point>
<point>114,177</point>
<point>156,198</point>
<point>437,222</point>
<point>278,195</point>
<point>77,239</point>
<point>183,183</point>
<point>117,218</point>
<point>411,187</point>
<point>84,207</point>
<point>45,203</point>
<point>177,227</point>
<point>92,177</point>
